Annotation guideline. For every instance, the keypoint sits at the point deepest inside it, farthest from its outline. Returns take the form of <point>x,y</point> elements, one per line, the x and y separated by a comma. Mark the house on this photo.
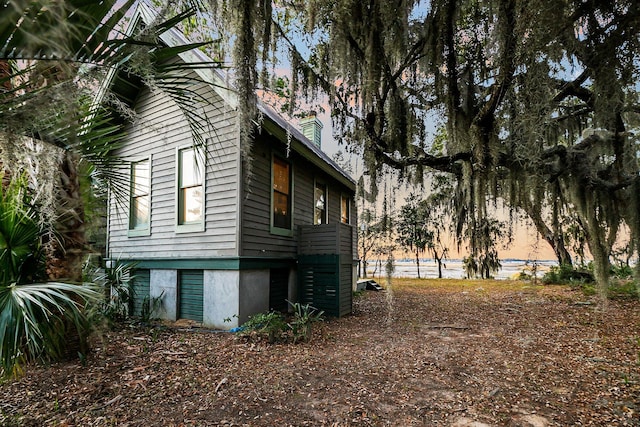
<point>219,242</point>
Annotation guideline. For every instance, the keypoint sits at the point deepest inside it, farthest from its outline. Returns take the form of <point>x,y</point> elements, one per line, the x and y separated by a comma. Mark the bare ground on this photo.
<point>448,353</point>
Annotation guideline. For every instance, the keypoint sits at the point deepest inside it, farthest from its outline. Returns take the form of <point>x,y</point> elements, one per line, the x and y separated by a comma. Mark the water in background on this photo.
<point>511,268</point>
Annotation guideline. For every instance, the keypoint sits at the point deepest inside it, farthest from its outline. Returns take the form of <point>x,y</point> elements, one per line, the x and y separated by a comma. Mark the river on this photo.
<point>454,269</point>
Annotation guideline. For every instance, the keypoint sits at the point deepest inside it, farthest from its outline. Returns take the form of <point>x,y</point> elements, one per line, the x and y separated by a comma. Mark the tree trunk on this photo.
<point>553,239</point>
<point>439,261</point>
<point>67,251</point>
<point>418,262</point>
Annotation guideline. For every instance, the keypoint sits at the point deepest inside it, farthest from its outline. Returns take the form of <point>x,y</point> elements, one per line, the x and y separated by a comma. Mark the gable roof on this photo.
<point>273,123</point>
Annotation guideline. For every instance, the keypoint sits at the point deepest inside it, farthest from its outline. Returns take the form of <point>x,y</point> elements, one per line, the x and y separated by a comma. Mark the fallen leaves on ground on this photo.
<point>449,353</point>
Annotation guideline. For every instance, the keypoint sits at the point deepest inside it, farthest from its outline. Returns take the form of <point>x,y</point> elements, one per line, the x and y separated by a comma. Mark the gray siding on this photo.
<point>257,239</point>
<point>326,239</point>
<point>160,129</point>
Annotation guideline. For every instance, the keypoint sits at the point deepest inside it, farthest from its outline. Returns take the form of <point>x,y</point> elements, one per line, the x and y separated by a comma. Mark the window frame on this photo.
<point>346,197</point>
<point>273,229</point>
<point>136,231</point>
<point>325,215</point>
<point>190,226</point>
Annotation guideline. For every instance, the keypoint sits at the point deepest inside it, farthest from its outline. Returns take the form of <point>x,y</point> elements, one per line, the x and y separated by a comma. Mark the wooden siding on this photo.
<point>160,129</point>
<point>324,281</point>
<point>332,238</point>
<point>257,239</point>
<point>346,286</point>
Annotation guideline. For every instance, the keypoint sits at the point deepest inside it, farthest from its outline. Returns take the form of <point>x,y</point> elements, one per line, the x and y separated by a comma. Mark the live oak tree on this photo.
<point>539,99</point>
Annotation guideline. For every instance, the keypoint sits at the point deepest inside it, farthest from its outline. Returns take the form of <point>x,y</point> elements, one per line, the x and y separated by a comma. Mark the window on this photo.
<point>281,196</point>
<point>344,209</point>
<point>191,168</point>
<point>140,198</point>
<point>320,204</point>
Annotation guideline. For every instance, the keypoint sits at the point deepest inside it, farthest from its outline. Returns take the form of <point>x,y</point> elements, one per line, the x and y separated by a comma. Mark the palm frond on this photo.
<point>34,320</point>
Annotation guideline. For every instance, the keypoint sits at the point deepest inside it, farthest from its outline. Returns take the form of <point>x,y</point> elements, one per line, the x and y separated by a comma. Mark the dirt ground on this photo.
<point>427,353</point>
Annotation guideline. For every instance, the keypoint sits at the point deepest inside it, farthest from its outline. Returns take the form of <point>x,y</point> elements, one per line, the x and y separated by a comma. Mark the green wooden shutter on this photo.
<point>191,294</point>
<point>141,289</point>
<point>319,282</point>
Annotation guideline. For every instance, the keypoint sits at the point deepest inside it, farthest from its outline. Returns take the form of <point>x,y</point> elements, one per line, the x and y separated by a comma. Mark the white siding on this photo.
<point>159,130</point>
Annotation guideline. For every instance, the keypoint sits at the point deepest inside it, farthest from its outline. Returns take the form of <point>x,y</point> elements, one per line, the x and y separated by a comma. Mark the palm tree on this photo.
<point>36,318</point>
<point>53,56</point>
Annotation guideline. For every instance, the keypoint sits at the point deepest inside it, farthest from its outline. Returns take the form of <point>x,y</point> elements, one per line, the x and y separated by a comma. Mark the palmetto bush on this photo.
<point>36,317</point>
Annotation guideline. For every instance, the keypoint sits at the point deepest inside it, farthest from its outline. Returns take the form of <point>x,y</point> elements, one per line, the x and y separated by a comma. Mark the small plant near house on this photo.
<point>274,327</point>
<point>116,282</point>
<point>150,306</point>
<point>269,325</point>
<point>304,316</point>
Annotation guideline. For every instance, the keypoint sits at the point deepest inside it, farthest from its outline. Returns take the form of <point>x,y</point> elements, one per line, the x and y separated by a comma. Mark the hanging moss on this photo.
<point>518,85</point>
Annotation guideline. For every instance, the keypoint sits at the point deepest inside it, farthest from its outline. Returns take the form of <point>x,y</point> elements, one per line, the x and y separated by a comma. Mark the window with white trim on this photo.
<point>281,197</point>
<point>191,167</point>
<point>140,202</point>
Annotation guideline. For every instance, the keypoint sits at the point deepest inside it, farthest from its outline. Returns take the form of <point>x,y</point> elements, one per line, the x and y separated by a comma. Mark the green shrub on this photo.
<point>622,271</point>
<point>623,289</point>
<point>582,278</point>
<point>271,326</point>
<point>117,284</point>
<point>274,327</point>
<point>566,274</point>
<point>38,319</point>
<point>304,316</point>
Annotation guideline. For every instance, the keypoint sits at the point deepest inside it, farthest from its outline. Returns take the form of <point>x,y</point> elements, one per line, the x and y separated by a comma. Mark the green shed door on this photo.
<point>141,288</point>
<point>191,294</point>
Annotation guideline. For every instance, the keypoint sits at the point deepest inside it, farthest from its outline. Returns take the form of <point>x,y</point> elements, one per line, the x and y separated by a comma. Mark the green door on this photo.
<point>191,294</point>
<point>141,288</point>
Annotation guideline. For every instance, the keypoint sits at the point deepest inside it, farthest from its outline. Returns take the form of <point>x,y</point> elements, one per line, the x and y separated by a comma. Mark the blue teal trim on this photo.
<point>220,263</point>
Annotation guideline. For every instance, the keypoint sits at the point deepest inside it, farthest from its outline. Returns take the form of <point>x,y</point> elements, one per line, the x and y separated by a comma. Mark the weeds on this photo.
<point>274,326</point>
<point>304,316</point>
<point>270,325</point>
<point>621,286</point>
<point>150,306</point>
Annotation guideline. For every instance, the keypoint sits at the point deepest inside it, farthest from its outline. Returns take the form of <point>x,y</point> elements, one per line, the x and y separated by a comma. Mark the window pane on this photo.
<point>191,190</point>
<point>280,176</point>
<point>281,211</point>
<point>281,194</point>
<point>344,209</point>
<point>140,178</point>
<point>139,207</point>
<point>192,204</point>
<point>190,168</point>
<point>319,204</point>
<point>140,212</point>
